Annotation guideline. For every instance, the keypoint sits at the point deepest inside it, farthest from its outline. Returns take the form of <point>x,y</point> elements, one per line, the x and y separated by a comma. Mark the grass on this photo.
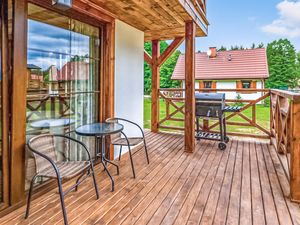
<point>262,117</point>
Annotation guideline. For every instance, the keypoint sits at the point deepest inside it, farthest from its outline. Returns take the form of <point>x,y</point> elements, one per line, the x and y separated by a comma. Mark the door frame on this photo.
<point>4,103</point>
<point>18,85</point>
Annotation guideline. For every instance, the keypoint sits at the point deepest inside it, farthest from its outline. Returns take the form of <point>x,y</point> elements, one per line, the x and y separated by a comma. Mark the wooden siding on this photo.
<point>245,184</point>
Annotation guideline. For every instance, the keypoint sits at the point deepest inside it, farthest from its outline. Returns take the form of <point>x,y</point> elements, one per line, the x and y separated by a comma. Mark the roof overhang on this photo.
<point>158,19</point>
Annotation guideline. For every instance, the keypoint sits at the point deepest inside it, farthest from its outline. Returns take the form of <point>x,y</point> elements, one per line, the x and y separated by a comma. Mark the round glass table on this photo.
<point>99,131</point>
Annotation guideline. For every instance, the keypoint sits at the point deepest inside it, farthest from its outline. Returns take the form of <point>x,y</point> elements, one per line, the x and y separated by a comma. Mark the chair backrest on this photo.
<point>117,135</point>
<point>45,145</point>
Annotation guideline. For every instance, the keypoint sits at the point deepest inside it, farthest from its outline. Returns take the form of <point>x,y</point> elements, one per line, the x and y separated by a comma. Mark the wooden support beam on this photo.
<point>155,86</point>
<point>108,80</point>
<point>109,68</point>
<point>189,127</point>
<point>18,120</point>
<point>295,153</point>
<point>147,58</point>
<point>171,48</point>
<point>4,103</point>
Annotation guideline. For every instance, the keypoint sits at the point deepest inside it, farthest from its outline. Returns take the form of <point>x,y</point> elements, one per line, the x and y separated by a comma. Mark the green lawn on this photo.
<point>262,116</point>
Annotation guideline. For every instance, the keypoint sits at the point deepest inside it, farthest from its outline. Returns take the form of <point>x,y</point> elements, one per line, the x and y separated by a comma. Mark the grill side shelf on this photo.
<point>232,108</point>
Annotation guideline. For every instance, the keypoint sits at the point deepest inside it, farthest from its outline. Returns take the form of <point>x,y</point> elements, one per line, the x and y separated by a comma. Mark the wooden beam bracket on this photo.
<point>148,58</point>
<point>169,51</point>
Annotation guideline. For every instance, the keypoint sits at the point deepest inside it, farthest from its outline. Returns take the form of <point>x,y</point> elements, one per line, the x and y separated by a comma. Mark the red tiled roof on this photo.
<point>71,71</point>
<point>244,64</point>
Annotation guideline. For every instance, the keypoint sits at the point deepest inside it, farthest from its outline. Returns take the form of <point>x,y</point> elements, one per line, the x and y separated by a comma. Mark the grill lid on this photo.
<point>210,97</point>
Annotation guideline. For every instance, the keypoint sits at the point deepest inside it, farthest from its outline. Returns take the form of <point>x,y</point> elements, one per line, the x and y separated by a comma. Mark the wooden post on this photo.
<point>189,128</point>
<point>155,86</point>
<point>18,105</point>
<point>295,152</point>
<point>108,81</point>
<point>205,125</point>
<point>5,102</point>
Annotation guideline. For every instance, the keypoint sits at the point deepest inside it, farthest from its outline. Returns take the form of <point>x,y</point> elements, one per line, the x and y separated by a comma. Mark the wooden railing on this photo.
<point>243,123</point>
<point>281,109</point>
<point>285,135</point>
<point>37,104</point>
<point>41,102</point>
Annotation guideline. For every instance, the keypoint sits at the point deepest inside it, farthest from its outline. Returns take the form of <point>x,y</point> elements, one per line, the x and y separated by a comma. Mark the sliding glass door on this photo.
<point>63,68</point>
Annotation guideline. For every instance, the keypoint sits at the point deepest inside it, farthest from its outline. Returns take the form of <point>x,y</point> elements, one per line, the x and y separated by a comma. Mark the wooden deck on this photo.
<point>245,184</point>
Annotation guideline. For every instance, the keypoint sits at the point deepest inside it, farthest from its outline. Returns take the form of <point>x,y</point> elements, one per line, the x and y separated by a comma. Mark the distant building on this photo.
<point>235,69</point>
<point>34,76</point>
<point>71,71</point>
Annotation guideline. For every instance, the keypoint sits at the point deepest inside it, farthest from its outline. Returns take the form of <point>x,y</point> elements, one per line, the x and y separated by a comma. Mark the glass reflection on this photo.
<point>62,74</point>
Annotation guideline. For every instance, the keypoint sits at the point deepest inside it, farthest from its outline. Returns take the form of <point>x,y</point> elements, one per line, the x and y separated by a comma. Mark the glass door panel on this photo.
<point>62,76</point>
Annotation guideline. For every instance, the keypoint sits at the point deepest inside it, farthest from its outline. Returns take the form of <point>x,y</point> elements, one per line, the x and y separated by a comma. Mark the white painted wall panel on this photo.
<point>129,76</point>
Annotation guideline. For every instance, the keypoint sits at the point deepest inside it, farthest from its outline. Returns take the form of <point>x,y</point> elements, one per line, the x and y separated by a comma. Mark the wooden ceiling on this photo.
<point>159,19</point>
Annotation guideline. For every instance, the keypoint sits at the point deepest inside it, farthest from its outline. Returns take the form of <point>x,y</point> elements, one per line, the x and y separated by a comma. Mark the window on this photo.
<point>246,84</point>
<point>208,84</point>
<point>62,76</point>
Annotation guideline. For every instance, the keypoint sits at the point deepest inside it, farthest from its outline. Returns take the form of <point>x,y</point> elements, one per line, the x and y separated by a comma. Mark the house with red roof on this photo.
<point>234,69</point>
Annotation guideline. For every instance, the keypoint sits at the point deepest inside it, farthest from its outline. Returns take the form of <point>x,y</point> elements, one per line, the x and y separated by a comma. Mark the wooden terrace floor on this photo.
<point>245,184</point>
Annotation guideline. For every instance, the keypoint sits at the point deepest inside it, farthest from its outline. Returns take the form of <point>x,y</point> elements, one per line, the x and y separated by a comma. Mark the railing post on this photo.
<point>189,127</point>
<point>295,151</point>
<point>155,86</point>
<point>205,125</point>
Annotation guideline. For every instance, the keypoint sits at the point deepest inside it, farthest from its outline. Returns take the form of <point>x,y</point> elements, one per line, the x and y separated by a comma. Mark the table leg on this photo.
<point>104,160</point>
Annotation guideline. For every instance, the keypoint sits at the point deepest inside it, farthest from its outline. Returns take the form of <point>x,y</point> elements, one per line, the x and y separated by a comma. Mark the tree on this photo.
<point>261,45</point>
<point>282,64</point>
<point>298,65</point>
<point>222,49</point>
<point>236,47</point>
<point>166,70</point>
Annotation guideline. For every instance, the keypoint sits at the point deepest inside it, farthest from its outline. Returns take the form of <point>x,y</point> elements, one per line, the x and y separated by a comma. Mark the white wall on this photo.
<point>233,95</point>
<point>129,76</point>
<point>232,85</point>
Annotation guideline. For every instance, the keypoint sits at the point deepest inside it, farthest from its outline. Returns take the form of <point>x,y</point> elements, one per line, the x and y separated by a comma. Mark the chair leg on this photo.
<point>146,151</point>
<point>94,180</point>
<point>131,161</point>
<point>29,196</point>
<point>62,201</point>
<point>120,153</point>
<point>77,181</point>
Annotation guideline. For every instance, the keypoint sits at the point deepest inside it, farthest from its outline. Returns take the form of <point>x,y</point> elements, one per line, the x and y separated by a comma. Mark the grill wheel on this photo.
<point>222,146</point>
<point>226,139</point>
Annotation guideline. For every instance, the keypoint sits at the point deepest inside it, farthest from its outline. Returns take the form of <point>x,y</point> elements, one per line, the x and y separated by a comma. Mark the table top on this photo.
<point>99,129</point>
<point>49,123</point>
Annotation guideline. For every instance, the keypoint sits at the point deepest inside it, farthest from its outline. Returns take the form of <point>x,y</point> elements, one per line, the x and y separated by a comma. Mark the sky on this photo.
<point>241,22</point>
<point>50,45</point>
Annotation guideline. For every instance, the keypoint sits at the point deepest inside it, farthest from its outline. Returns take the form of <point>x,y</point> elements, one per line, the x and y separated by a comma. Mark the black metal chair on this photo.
<point>54,164</point>
<point>118,140</point>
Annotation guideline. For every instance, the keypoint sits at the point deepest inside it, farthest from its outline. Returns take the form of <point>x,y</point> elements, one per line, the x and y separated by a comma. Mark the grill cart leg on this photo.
<point>198,130</point>
<point>221,129</point>
<point>225,131</point>
<point>222,145</point>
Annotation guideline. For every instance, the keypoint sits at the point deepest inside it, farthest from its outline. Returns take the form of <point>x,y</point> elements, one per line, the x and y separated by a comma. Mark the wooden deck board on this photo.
<point>245,184</point>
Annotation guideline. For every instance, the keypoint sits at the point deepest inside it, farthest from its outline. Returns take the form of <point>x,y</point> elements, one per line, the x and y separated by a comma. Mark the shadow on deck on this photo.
<point>245,184</point>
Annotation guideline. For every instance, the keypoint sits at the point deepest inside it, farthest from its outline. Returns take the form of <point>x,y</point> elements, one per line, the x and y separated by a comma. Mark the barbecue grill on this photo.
<point>212,106</point>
